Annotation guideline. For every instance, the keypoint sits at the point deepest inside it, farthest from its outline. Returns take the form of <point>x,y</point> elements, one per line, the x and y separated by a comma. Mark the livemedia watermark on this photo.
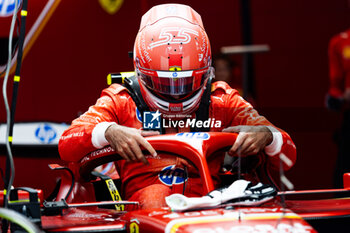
<point>155,121</point>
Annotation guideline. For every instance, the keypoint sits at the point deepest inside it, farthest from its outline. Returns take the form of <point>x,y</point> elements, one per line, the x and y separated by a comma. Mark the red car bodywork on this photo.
<point>272,216</point>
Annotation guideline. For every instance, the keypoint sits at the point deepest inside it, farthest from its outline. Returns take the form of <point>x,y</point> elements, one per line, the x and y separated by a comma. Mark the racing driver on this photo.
<point>172,60</point>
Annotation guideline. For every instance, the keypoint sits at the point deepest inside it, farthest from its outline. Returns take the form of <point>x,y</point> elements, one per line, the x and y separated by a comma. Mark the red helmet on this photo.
<point>172,58</point>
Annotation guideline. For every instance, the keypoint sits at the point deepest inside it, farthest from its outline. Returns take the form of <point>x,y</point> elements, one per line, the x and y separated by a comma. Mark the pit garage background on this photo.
<point>77,43</point>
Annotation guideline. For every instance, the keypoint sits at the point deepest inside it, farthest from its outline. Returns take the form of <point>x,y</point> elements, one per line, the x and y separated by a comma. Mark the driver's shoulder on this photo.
<point>220,89</point>
<point>116,92</point>
<point>114,89</point>
<point>118,96</point>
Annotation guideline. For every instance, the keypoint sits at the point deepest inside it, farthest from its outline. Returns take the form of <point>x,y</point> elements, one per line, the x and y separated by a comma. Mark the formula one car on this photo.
<point>260,209</point>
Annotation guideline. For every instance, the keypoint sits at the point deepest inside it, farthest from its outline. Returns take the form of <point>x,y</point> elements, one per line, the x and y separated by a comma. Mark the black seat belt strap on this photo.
<point>202,113</point>
<point>111,188</point>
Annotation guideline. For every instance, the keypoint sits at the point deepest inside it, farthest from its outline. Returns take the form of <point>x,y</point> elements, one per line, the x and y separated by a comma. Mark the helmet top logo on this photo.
<point>173,35</point>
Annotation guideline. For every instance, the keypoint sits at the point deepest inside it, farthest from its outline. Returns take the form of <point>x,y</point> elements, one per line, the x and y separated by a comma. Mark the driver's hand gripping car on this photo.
<point>172,60</point>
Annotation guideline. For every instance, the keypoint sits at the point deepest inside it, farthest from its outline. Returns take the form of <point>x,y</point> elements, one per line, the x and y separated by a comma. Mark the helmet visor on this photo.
<point>174,82</point>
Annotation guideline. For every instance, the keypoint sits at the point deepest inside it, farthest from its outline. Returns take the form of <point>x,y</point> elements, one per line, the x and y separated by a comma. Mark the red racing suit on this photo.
<point>339,64</point>
<point>116,105</point>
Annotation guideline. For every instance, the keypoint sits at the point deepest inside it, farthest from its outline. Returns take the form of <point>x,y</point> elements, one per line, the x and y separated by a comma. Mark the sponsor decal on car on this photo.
<point>217,223</point>
<point>172,175</point>
<point>194,135</point>
<point>96,153</point>
<point>257,212</point>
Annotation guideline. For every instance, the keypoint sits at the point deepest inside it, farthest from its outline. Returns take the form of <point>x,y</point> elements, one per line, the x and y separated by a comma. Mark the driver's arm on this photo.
<point>257,134</point>
<point>100,126</point>
<point>77,141</point>
<point>126,142</point>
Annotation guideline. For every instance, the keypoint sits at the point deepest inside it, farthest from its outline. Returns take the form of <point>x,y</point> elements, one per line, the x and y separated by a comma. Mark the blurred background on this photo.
<point>79,42</point>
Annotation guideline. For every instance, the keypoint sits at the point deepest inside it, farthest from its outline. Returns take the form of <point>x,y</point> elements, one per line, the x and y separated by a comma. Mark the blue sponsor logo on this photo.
<point>45,133</point>
<point>172,175</point>
<point>175,74</point>
<point>7,7</point>
<point>194,135</point>
<point>138,115</point>
<point>151,120</point>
